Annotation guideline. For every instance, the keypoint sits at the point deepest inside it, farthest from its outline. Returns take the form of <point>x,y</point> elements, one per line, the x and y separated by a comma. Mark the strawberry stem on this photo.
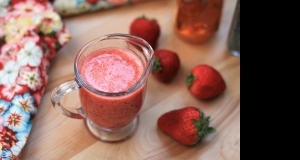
<point>143,17</point>
<point>203,127</point>
<point>156,65</point>
<point>190,78</point>
<point>146,18</point>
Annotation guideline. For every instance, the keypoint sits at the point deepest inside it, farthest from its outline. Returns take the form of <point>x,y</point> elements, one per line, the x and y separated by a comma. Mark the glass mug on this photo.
<point>110,113</point>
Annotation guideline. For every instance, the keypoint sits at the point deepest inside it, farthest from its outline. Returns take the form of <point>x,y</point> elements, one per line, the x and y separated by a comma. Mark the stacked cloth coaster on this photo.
<point>31,33</point>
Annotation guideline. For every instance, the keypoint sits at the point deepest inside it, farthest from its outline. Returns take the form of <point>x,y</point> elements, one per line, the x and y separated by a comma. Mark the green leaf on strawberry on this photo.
<point>190,78</point>
<point>203,127</point>
<point>156,65</point>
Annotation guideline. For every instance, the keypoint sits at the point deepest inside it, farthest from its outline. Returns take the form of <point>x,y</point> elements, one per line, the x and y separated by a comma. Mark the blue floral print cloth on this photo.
<point>31,33</point>
<point>75,7</point>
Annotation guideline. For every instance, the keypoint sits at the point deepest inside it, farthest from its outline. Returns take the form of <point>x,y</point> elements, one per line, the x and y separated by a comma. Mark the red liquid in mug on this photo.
<point>112,70</point>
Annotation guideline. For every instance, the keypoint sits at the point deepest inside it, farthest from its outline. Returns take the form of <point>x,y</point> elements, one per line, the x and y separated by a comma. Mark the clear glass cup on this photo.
<point>110,117</point>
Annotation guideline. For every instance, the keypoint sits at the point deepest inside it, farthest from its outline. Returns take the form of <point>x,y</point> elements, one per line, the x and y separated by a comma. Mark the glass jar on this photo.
<point>197,20</point>
<point>234,35</point>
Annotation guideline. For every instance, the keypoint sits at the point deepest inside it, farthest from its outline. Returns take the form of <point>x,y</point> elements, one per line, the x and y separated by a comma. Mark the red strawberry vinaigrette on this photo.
<point>111,76</point>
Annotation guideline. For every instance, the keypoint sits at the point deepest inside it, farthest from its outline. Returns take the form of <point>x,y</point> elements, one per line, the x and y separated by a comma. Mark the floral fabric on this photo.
<point>31,33</point>
<point>75,7</point>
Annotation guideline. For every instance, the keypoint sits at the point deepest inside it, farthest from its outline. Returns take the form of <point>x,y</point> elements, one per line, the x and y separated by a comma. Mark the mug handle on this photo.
<point>59,92</point>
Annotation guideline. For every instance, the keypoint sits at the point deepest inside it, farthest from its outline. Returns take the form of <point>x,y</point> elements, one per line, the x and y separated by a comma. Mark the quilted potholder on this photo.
<point>31,33</point>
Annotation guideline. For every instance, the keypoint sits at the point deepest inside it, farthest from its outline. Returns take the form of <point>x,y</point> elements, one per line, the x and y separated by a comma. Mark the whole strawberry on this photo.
<point>166,65</point>
<point>147,29</point>
<point>187,125</point>
<point>205,82</point>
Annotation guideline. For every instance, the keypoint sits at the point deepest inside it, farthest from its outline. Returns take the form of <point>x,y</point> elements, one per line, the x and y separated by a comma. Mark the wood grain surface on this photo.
<point>56,137</point>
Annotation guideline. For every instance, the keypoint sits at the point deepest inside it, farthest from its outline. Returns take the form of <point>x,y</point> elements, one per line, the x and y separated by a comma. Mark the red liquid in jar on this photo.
<point>197,20</point>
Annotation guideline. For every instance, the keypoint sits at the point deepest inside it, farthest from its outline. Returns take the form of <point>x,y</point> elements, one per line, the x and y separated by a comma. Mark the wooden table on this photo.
<point>56,137</point>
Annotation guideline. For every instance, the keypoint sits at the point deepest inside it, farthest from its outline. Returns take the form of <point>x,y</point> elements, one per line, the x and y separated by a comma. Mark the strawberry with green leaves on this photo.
<point>166,65</point>
<point>187,125</point>
<point>147,29</point>
<point>204,82</point>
